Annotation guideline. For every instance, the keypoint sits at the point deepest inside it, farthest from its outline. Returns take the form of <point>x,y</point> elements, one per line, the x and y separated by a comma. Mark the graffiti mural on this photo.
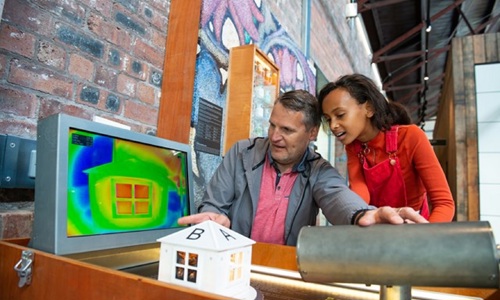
<point>225,24</point>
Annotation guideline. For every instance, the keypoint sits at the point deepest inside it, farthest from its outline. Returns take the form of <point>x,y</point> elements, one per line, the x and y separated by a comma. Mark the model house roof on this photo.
<point>207,235</point>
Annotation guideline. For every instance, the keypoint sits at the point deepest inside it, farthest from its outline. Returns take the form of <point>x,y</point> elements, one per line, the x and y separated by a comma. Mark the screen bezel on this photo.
<point>51,187</point>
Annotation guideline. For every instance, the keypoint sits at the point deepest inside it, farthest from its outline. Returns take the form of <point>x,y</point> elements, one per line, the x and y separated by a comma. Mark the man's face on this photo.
<point>289,136</point>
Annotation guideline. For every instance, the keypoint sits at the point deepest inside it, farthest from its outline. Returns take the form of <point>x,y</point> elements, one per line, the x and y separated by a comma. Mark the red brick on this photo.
<point>17,41</point>
<point>20,128</point>
<point>141,113</point>
<point>161,5</point>
<point>148,53</point>
<point>146,93</point>
<point>106,77</point>
<point>158,40</point>
<point>104,7</point>
<point>39,78</point>
<point>81,67</point>
<point>18,102</point>
<point>109,32</point>
<point>70,9</point>
<point>26,16</point>
<point>159,19</point>
<point>49,106</point>
<point>16,224</point>
<point>126,85</point>
<point>3,65</point>
<point>51,55</point>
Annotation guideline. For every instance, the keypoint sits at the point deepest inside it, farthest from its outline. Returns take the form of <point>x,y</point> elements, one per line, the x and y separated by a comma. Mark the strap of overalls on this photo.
<point>391,140</point>
<point>391,146</point>
<point>391,143</point>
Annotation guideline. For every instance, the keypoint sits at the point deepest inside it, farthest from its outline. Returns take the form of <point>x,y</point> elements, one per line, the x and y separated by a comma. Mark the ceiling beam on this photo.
<point>410,54</point>
<point>413,31</point>
<point>405,99</point>
<point>403,75</point>
<point>363,5</point>
<point>414,68</point>
<point>402,87</point>
<point>492,20</point>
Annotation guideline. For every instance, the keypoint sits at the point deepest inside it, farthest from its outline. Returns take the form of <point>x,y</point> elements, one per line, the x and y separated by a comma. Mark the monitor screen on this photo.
<point>101,187</point>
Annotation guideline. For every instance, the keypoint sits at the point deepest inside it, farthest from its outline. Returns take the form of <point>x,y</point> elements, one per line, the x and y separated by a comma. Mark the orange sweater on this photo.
<point>419,165</point>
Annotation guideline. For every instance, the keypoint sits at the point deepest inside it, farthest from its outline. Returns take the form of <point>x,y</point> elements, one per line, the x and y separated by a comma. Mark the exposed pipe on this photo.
<point>306,26</point>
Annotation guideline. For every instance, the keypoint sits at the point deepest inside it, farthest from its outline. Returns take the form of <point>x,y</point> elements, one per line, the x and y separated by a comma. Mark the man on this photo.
<point>269,188</point>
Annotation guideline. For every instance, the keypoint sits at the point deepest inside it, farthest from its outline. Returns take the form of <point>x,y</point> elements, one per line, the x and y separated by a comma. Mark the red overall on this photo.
<point>385,180</point>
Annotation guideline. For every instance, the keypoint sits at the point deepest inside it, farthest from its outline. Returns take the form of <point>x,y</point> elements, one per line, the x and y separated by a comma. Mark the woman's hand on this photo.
<point>387,214</point>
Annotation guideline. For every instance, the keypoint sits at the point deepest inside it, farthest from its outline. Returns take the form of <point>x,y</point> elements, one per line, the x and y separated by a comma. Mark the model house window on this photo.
<point>186,267</point>
<point>132,199</point>
<point>236,266</point>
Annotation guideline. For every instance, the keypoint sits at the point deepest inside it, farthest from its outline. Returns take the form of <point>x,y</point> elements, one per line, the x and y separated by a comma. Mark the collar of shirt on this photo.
<point>299,167</point>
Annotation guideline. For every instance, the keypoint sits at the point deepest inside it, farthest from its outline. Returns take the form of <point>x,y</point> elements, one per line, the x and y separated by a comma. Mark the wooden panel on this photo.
<point>486,294</point>
<point>476,55</point>
<point>240,91</point>
<point>460,130</point>
<point>174,117</point>
<point>466,53</point>
<point>56,277</point>
<point>478,51</point>
<point>274,256</point>
<point>445,129</point>
<point>490,41</point>
<point>239,95</point>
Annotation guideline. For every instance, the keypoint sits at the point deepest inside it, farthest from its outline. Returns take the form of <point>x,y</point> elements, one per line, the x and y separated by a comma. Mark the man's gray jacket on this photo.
<point>234,191</point>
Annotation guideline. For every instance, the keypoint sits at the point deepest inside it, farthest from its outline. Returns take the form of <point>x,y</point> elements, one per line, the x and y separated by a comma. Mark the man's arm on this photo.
<point>219,193</point>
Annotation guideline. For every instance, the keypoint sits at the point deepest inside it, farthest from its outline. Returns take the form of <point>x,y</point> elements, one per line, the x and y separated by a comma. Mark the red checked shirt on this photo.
<point>269,222</point>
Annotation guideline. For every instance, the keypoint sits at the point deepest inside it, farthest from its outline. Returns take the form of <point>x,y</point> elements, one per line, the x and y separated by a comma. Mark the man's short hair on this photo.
<point>305,102</point>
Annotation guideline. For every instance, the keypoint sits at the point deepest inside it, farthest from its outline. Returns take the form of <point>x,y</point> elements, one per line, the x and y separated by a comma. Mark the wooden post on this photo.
<point>174,116</point>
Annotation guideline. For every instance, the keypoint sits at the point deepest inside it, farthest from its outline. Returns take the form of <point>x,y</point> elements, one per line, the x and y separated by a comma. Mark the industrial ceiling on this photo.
<point>411,39</point>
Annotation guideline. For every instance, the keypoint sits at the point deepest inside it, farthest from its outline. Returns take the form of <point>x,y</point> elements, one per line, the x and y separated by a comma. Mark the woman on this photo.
<point>390,163</point>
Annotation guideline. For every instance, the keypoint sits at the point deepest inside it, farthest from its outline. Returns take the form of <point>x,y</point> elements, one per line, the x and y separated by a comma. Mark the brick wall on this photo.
<point>82,57</point>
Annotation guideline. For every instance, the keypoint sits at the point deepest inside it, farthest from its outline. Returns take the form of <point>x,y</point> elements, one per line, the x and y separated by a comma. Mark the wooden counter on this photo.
<point>57,277</point>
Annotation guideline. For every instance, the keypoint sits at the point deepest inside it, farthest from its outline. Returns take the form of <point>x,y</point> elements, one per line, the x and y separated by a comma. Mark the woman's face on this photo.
<point>348,120</point>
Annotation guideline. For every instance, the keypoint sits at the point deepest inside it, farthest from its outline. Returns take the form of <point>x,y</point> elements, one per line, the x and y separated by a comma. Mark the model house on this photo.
<point>208,257</point>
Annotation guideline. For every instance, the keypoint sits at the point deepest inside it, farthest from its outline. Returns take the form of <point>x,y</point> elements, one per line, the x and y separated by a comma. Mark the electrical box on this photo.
<point>17,162</point>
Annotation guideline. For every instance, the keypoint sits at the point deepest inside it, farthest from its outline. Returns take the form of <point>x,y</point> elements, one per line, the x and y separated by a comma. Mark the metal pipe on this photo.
<point>456,254</point>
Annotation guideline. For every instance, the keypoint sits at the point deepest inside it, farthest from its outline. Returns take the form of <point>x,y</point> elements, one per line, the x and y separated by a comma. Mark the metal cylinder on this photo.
<point>456,254</point>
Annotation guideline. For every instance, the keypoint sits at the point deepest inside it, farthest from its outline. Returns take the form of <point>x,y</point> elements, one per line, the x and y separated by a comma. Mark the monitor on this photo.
<point>102,187</point>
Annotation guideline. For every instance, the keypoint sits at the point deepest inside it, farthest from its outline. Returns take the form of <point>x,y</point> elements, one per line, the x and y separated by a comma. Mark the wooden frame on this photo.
<point>240,93</point>
<point>174,116</point>
<point>457,120</point>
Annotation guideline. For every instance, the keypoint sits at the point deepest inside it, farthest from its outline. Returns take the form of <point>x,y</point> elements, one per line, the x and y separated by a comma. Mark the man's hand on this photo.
<point>387,214</point>
<point>204,216</point>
